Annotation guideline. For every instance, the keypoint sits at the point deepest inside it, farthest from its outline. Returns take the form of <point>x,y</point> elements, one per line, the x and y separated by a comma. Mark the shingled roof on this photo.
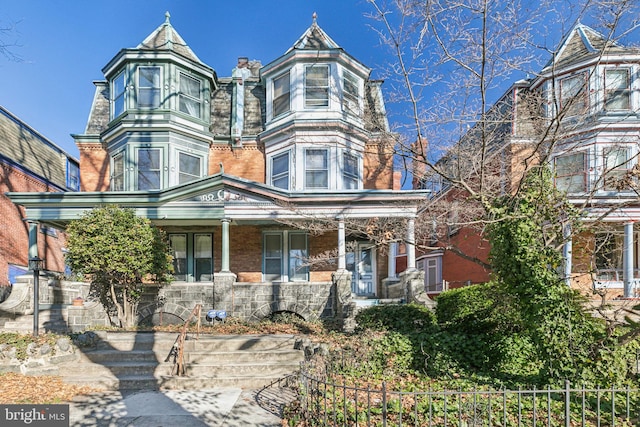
<point>314,39</point>
<point>165,37</point>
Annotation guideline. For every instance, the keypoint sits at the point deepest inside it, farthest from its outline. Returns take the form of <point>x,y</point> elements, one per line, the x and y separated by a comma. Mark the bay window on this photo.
<point>350,172</point>
<point>189,168</point>
<point>149,169</point>
<point>571,173</point>
<point>350,93</point>
<point>118,88</point>
<point>117,172</point>
<point>615,163</point>
<point>190,96</point>
<point>148,87</point>
<point>280,171</point>
<point>316,169</point>
<point>281,95</point>
<point>574,98</point>
<point>316,86</point>
<point>617,89</point>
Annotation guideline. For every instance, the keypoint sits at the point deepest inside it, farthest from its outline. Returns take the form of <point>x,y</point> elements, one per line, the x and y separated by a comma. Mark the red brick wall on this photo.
<point>457,270</point>
<point>15,232</point>
<point>94,167</point>
<point>378,167</point>
<point>247,162</point>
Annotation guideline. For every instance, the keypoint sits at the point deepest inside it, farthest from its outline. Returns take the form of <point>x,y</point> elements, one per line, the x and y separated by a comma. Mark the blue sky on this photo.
<point>64,44</point>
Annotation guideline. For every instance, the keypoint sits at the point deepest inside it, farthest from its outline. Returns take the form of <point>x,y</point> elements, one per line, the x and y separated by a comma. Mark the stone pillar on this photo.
<point>224,268</point>
<point>567,253</point>
<point>411,245</point>
<point>627,260</point>
<point>344,306</point>
<point>342,246</point>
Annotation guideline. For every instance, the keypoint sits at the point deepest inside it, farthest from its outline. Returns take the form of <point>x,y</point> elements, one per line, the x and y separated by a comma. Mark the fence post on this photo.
<point>384,403</point>
<point>567,403</point>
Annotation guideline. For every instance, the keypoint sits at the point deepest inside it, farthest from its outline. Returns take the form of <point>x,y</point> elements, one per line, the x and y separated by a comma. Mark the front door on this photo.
<point>362,265</point>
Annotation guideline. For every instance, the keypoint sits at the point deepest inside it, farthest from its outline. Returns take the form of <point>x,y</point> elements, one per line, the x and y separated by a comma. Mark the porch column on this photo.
<point>33,239</point>
<point>342,248</point>
<point>627,260</point>
<point>225,245</point>
<point>391,269</point>
<point>566,253</point>
<point>411,244</point>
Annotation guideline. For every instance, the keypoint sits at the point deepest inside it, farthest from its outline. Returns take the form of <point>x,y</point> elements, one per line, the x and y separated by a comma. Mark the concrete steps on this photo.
<point>132,361</point>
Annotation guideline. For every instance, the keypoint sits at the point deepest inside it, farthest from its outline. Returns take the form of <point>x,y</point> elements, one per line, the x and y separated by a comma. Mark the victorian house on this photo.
<point>233,167</point>
<point>588,103</point>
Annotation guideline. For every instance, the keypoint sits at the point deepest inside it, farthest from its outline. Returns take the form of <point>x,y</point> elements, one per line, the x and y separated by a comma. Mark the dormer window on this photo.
<point>617,89</point>
<point>351,93</point>
<point>316,86</point>
<point>189,99</point>
<point>148,87</point>
<point>281,95</point>
<point>118,87</point>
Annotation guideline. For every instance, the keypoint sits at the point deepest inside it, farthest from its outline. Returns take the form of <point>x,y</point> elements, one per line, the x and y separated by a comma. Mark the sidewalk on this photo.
<point>228,407</point>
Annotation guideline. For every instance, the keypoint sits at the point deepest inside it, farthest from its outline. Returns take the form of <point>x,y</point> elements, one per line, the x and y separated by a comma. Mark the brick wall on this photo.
<point>247,162</point>
<point>94,167</point>
<point>15,232</point>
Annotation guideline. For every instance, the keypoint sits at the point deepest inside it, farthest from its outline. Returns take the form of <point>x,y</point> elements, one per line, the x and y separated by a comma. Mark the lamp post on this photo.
<point>35,265</point>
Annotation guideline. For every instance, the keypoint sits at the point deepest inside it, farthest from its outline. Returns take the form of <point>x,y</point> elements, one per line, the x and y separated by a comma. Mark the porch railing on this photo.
<point>332,402</point>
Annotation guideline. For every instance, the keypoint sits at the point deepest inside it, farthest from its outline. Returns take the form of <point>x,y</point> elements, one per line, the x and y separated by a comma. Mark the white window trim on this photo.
<point>422,264</point>
<point>627,90</point>
<point>289,168</point>
<point>272,97</point>
<point>327,87</point>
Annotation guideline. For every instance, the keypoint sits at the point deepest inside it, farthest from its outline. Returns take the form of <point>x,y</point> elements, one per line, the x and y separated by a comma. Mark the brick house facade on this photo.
<point>228,165</point>
<point>587,99</point>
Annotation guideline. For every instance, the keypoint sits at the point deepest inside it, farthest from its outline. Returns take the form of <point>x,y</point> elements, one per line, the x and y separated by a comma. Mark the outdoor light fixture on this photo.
<point>36,264</point>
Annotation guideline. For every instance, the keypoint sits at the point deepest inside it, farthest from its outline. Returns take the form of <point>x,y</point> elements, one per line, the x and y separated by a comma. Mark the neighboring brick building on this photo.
<point>587,102</point>
<point>226,164</point>
<point>29,162</point>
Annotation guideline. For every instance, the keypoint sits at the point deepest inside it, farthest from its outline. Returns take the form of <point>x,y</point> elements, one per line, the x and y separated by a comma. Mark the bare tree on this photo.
<point>7,43</point>
<point>466,73</point>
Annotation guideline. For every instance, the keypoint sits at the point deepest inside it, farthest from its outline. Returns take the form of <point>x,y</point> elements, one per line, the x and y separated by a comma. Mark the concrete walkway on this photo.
<point>228,407</point>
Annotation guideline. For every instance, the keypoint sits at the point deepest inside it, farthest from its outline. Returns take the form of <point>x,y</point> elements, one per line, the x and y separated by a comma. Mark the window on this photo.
<point>178,243</point>
<point>616,95</point>
<point>280,171</point>
<point>272,261</point>
<point>189,99</point>
<point>432,273</point>
<point>615,162</point>
<point>188,168</point>
<point>350,172</point>
<point>573,95</point>
<point>316,90</point>
<point>203,257</point>
<point>571,173</point>
<point>285,248</point>
<point>73,176</point>
<point>148,87</point>
<point>118,88</point>
<point>117,172</point>
<point>608,255</point>
<point>149,169</point>
<point>351,93</point>
<point>316,169</point>
<point>298,256</point>
<point>281,91</point>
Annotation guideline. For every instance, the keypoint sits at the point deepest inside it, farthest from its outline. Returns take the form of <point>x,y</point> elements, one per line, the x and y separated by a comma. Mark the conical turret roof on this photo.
<point>165,37</point>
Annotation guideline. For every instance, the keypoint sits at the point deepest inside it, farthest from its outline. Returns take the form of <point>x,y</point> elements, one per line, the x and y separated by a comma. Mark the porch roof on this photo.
<point>208,200</point>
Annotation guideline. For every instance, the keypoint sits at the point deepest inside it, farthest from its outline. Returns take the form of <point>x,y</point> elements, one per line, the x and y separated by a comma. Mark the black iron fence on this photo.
<point>327,400</point>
